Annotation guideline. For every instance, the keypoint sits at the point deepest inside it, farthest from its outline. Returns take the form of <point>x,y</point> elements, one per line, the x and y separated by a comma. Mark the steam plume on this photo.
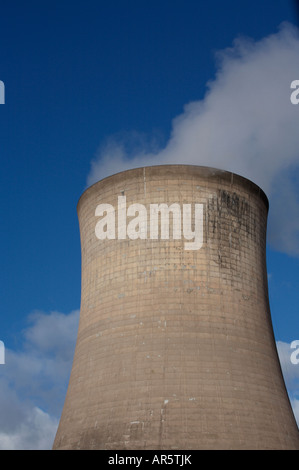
<point>245,123</point>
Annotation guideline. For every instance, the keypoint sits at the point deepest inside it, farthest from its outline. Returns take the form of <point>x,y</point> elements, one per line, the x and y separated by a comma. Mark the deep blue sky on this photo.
<point>76,73</point>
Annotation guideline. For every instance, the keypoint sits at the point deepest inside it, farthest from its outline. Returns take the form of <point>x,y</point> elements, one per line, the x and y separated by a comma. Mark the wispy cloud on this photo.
<point>34,379</point>
<point>245,123</point>
<point>291,375</point>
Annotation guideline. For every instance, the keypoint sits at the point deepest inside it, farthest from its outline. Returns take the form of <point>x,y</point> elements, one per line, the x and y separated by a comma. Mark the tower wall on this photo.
<point>175,347</point>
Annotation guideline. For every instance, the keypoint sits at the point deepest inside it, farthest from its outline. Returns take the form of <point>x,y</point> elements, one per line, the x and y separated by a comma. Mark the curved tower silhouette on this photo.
<point>175,347</point>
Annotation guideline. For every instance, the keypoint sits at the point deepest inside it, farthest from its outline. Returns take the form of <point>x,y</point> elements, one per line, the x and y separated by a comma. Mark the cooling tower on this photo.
<point>175,347</point>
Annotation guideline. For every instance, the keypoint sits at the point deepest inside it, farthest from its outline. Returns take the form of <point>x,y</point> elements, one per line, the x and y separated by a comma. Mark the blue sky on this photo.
<point>94,87</point>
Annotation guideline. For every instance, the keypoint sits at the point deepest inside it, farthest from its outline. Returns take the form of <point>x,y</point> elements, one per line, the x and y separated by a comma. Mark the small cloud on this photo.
<point>35,432</point>
<point>290,373</point>
<point>295,406</point>
<point>34,380</point>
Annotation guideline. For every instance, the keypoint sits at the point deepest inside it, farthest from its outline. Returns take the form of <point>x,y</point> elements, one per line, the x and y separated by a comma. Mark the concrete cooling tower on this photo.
<point>175,347</point>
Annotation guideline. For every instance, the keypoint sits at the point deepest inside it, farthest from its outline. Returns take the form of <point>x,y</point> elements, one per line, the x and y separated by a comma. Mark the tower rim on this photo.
<point>209,171</point>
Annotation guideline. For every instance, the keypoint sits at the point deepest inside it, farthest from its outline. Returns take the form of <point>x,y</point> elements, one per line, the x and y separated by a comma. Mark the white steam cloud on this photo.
<point>245,123</point>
